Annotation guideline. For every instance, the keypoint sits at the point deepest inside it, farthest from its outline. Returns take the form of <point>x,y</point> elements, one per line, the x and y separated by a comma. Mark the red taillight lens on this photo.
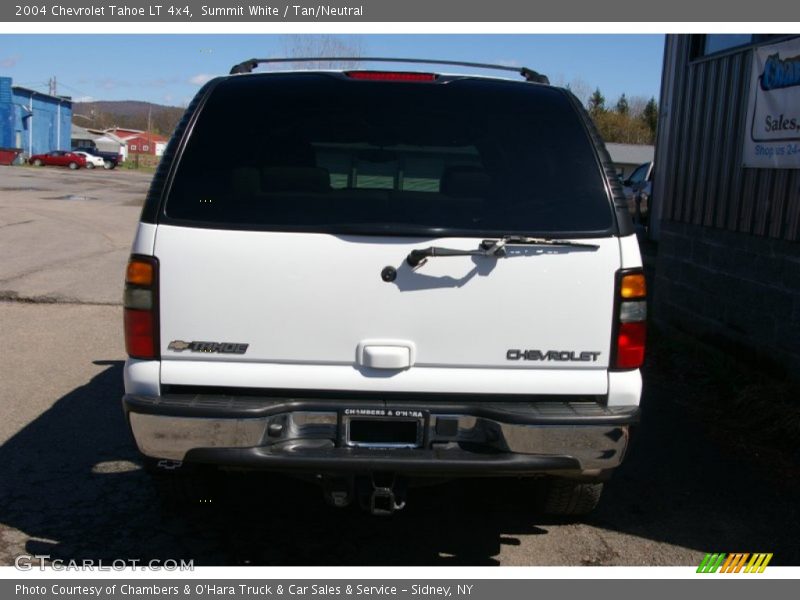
<point>390,76</point>
<point>631,320</point>
<point>141,308</point>
<point>630,345</point>
<point>140,341</point>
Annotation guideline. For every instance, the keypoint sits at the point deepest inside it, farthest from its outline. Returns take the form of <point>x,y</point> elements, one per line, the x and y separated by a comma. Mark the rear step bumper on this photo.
<point>480,438</point>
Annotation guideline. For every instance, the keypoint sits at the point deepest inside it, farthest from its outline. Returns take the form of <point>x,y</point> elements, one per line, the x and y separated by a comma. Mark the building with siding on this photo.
<point>147,143</point>
<point>626,157</point>
<point>728,266</point>
<point>33,121</point>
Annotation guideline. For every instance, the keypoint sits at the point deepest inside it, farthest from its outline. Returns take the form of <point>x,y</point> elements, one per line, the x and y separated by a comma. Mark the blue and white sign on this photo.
<point>772,133</point>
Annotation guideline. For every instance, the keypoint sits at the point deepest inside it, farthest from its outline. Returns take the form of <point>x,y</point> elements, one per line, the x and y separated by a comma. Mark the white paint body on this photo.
<point>316,314</point>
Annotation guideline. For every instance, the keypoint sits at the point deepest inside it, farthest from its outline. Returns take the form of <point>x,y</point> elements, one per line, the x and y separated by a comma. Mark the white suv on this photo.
<point>397,275</point>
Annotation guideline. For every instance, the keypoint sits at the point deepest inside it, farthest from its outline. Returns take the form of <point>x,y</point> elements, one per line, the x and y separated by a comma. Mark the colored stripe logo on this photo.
<point>735,563</point>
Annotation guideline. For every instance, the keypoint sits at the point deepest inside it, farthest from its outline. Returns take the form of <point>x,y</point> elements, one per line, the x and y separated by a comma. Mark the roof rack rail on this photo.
<point>529,74</point>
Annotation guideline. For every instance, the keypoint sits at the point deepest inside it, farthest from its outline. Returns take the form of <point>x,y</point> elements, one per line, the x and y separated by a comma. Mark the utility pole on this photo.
<point>53,86</point>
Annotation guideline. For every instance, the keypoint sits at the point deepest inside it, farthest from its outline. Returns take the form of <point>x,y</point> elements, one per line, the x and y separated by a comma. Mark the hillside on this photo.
<point>132,114</point>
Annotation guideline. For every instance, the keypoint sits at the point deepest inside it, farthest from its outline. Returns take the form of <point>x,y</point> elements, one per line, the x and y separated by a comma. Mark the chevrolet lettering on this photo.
<point>559,355</point>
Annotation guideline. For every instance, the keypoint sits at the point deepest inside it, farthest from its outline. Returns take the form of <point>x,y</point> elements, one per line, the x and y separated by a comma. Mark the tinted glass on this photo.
<point>724,41</point>
<point>316,152</point>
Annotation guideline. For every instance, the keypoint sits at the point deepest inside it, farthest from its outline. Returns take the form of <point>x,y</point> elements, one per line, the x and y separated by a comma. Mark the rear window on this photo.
<point>321,153</point>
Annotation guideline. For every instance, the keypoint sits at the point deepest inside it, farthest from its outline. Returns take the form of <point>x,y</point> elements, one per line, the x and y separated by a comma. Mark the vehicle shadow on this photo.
<point>682,483</point>
<point>71,482</point>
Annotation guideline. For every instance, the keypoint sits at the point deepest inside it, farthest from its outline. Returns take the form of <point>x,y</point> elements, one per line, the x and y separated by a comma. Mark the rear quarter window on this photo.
<point>322,153</point>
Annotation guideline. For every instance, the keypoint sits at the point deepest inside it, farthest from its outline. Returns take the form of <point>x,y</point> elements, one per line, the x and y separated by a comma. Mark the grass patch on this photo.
<point>141,162</point>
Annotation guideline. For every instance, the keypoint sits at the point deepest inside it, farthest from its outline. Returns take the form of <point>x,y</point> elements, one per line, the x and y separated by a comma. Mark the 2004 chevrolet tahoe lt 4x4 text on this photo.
<point>397,275</point>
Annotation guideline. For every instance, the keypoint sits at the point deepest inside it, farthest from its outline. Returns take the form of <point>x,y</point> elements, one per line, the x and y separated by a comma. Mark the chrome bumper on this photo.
<point>584,438</point>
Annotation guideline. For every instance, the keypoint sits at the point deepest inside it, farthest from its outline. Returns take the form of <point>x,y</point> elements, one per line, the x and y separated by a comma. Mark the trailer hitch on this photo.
<point>379,493</point>
<point>388,494</point>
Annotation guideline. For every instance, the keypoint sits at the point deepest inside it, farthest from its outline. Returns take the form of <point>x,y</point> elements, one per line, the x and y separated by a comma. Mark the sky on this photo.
<point>170,68</point>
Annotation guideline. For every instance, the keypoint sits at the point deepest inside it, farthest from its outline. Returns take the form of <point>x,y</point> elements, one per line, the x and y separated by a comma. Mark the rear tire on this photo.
<point>108,165</point>
<point>38,163</point>
<point>570,498</point>
<point>73,165</point>
<point>89,165</point>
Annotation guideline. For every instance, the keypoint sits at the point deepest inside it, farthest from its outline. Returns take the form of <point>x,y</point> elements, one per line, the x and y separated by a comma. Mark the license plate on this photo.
<point>383,428</point>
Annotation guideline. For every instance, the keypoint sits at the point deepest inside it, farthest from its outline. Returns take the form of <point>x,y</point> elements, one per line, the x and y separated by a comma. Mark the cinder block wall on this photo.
<point>736,290</point>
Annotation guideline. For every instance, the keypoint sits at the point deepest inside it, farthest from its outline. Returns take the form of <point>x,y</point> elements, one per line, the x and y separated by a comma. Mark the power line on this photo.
<point>74,89</point>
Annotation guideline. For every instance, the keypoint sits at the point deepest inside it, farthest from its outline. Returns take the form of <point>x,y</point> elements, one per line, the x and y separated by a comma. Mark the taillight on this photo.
<point>390,76</point>
<point>141,307</point>
<point>631,320</point>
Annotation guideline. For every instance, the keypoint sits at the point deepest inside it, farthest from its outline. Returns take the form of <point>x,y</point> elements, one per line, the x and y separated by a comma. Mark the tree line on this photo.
<point>627,121</point>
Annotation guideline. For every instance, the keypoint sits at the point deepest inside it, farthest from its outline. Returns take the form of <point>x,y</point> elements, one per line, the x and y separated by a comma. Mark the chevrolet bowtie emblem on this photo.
<point>178,345</point>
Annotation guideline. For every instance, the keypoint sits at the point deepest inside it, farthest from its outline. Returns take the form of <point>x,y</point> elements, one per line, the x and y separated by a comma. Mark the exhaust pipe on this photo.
<point>338,491</point>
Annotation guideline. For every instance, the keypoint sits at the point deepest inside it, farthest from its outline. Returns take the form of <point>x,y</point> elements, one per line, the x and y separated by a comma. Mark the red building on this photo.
<point>146,143</point>
<point>141,142</point>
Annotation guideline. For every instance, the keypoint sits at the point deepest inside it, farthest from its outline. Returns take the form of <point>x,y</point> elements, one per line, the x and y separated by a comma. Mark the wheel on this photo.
<point>108,165</point>
<point>566,497</point>
<point>89,165</point>
<point>38,163</point>
<point>73,165</point>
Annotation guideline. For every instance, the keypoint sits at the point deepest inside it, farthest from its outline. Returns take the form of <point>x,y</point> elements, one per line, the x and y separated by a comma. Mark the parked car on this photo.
<point>408,275</point>
<point>58,158</point>
<point>638,189</point>
<point>92,161</point>
<point>110,159</point>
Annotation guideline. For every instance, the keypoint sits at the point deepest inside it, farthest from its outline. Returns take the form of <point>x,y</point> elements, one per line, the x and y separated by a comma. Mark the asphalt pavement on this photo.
<point>71,484</point>
<point>66,235</point>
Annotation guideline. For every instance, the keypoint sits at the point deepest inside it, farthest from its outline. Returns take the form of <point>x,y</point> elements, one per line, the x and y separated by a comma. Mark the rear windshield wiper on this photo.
<point>490,248</point>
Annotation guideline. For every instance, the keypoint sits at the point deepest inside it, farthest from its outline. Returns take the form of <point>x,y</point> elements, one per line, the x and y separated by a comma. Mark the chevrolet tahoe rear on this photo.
<point>397,276</point>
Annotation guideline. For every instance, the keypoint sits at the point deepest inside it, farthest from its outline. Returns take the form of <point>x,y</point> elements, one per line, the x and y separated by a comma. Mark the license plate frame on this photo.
<point>391,428</point>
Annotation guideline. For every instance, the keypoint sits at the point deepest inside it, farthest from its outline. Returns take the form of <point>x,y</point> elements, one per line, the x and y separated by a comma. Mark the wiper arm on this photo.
<point>491,248</point>
<point>417,257</point>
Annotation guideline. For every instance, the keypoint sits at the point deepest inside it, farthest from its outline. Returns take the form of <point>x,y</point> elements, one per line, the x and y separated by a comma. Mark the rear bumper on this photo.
<point>465,438</point>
